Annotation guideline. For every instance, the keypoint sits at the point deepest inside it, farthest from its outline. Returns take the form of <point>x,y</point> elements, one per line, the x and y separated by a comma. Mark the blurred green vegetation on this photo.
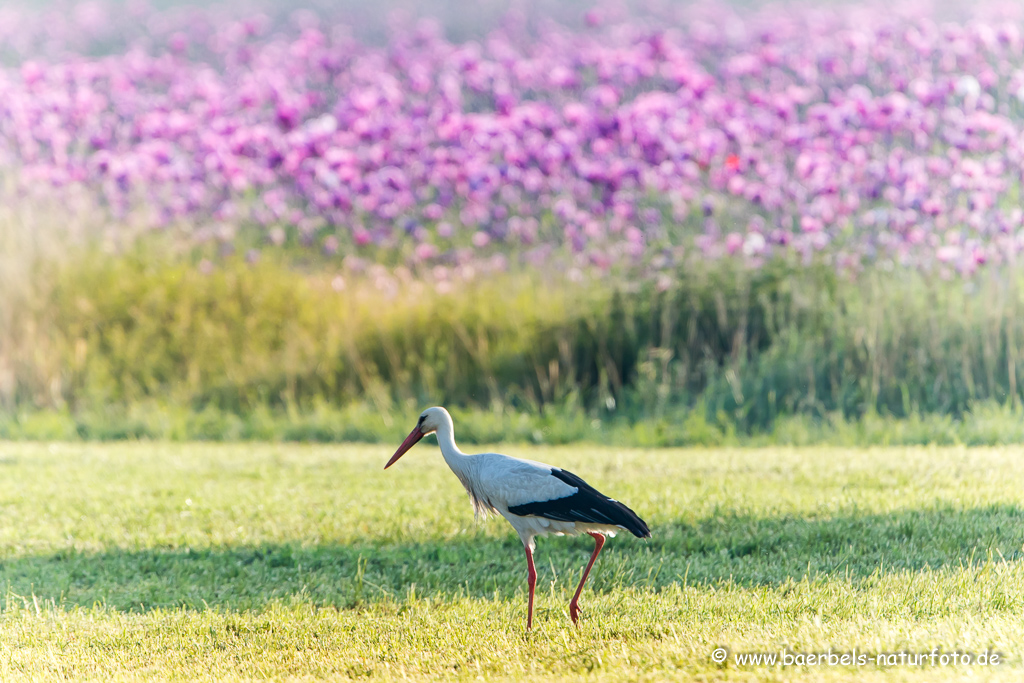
<point>145,344</point>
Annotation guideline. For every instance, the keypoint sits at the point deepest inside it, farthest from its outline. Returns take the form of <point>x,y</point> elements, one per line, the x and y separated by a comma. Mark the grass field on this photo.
<point>136,560</point>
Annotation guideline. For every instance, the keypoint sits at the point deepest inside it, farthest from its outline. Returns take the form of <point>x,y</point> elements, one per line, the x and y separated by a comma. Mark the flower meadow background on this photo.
<point>654,223</point>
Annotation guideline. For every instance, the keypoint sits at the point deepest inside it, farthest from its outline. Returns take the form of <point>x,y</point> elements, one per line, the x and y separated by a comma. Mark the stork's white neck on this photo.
<point>446,440</point>
<point>464,466</point>
<point>459,462</point>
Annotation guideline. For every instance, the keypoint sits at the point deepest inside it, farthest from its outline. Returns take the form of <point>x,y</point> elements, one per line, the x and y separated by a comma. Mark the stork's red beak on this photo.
<point>410,441</point>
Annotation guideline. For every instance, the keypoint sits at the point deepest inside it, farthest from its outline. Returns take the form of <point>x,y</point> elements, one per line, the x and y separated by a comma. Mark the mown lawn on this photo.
<point>244,561</point>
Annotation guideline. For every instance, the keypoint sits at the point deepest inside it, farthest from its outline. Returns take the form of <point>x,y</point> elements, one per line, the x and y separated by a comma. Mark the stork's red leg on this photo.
<point>531,580</point>
<point>574,608</point>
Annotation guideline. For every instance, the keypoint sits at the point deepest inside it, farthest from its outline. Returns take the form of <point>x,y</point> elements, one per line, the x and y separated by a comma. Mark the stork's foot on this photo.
<point>574,612</point>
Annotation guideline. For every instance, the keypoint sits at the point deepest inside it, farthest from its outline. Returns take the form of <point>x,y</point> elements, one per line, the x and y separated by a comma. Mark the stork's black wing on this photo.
<point>586,505</point>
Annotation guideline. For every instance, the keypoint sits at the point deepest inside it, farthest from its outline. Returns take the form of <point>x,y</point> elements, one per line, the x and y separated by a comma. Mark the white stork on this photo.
<point>535,498</point>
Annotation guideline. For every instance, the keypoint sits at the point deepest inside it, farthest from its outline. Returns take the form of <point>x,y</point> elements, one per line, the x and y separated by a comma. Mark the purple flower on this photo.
<point>883,135</point>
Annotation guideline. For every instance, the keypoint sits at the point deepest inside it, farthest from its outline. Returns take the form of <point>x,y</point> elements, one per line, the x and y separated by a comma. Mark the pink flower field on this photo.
<point>622,138</point>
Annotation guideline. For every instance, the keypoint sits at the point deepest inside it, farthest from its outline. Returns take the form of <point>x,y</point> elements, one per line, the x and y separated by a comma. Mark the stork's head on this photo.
<point>430,421</point>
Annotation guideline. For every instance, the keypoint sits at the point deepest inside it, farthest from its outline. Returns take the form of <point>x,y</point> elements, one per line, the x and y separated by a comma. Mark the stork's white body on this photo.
<point>535,498</point>
<point>496,482</point>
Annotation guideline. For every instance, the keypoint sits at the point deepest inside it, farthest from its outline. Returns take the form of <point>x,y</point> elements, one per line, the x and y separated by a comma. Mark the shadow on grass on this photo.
<point>746,550</point>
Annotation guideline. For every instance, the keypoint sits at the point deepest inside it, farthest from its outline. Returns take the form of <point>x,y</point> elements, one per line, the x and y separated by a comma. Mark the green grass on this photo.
<point>243,561</point>
<point>985,424</point>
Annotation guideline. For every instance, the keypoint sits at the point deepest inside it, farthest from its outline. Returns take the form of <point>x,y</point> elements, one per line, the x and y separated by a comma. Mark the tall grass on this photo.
<point>105,332</point>
<point>37,239</point>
